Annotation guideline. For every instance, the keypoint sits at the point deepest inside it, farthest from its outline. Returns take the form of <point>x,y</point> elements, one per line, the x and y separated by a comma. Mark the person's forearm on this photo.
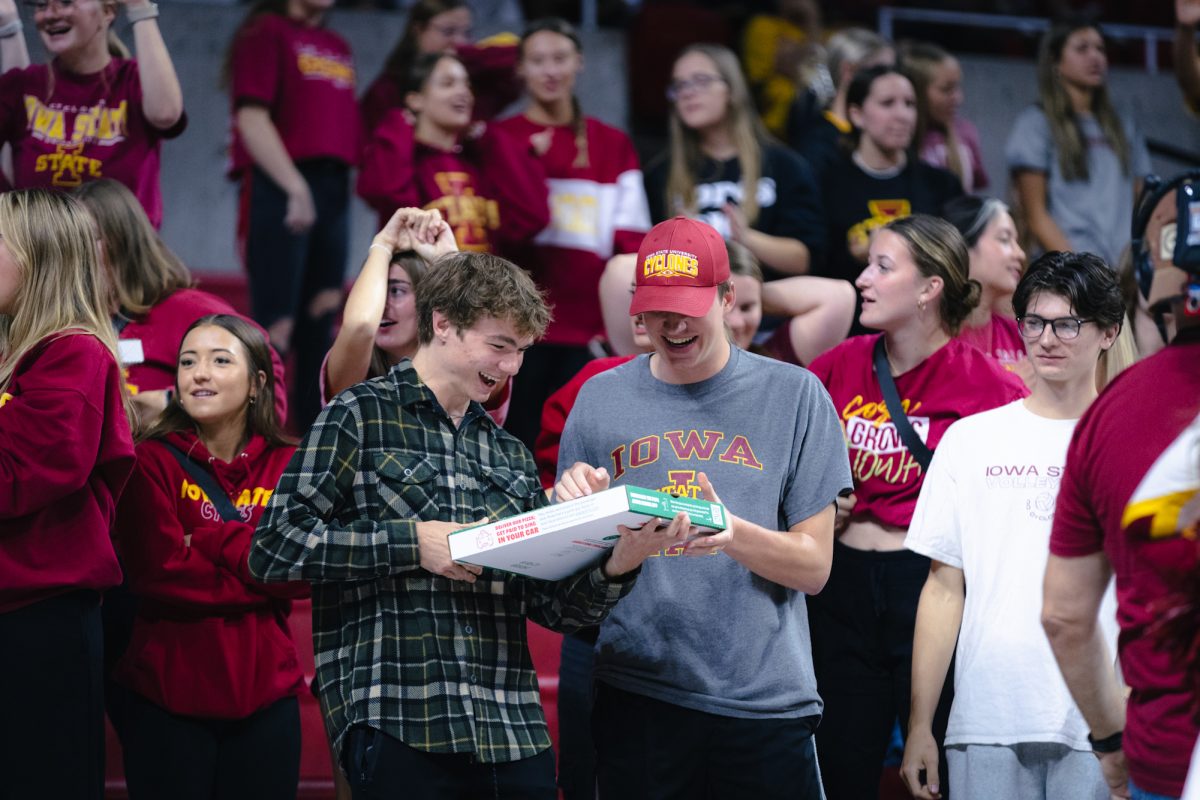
<point>162,98</point>
<point>939,618</point>
<point>778,252</point>
<point>14,54</point>
<point>1187,64</point>
<point>1087,669</point>
<point>1047,233</point>
<point>265,146</point>
<point>798,559</point>
<point>350,357</point>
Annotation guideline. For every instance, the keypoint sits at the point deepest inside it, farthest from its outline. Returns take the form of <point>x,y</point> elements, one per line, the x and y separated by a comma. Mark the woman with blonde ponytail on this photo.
<point>92,112</point>
<point>65,454</point>
<point>916,291</point>
<point>598,209</point>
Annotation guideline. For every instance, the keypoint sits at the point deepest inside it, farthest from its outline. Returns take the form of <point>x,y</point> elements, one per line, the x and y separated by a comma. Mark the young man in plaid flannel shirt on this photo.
<point>422,664</point>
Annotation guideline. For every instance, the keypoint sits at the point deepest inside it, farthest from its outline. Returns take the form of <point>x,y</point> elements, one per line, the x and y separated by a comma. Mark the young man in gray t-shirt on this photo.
<point>705,675</point>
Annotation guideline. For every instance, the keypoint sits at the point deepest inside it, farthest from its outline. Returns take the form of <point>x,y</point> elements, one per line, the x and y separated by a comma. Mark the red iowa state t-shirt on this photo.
<point>1131,469</point>
<point>955,382</point>
<point>305,78</point>
<point>67,129</point>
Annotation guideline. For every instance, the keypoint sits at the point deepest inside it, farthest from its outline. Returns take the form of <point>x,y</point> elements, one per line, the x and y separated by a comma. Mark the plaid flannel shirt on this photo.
<point>441,665</point>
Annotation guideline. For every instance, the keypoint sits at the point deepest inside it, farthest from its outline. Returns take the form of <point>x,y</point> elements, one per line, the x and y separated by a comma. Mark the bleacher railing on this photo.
<point>1149,36</point>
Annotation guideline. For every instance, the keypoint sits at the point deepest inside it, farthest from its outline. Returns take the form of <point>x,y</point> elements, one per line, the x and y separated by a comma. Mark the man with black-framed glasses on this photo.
<point>984,517</point>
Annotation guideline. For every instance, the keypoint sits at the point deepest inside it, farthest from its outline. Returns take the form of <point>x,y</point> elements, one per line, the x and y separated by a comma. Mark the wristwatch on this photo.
<point>1109,744</point>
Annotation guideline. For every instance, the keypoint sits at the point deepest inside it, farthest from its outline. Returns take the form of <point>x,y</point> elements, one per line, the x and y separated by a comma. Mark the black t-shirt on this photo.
<point>817,140</point>
<point>789,203</point>
<point>857,203</point>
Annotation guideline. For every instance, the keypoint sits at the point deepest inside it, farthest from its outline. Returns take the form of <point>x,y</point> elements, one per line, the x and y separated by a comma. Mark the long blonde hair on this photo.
<point>52,239</point>
<point>747,132</point>
<point>1065,129</point>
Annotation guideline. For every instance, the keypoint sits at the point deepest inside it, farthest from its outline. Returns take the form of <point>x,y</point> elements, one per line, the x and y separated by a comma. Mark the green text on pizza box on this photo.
<point>554,542</point>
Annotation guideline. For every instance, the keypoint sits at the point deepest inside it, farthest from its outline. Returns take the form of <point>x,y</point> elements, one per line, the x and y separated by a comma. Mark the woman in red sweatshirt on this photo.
<point>490,188</point>
<point>65,454</point>
<point>212,670</point>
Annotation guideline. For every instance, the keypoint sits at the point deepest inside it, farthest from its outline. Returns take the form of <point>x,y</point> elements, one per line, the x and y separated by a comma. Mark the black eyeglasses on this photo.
<point>675,89</point>
<point>1064,328</point>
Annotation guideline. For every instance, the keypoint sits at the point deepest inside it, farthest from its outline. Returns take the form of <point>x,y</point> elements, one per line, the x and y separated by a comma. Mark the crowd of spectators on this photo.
<point>818,205</point>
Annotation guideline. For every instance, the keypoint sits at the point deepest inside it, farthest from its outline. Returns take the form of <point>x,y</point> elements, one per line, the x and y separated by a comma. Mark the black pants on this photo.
<point>52,699</point>
<point>188,758</point>
<point>862,628</point>
<point>543,372</point>
<point>576,751</point>
<point>381,767</point>
<point>287,270</point>
<point>648,749</point>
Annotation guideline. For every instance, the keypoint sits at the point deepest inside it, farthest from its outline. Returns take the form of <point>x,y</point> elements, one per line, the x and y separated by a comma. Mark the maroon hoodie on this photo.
<point>208,640</point>
<point>65,454</point>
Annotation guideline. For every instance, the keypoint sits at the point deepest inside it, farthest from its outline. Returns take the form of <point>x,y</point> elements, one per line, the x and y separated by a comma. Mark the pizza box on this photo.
<point>560,540</point>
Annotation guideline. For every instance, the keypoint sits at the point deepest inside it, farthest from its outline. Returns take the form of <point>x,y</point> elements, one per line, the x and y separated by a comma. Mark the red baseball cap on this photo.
<point>679,266</point>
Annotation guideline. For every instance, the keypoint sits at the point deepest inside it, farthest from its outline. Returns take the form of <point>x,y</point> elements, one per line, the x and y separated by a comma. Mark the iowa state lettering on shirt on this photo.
<point>691,445</point>
<point>245,503</point>
<point>96,124</point>
<point>877,451</point>
<point>468,215</point>
<point>315,63</point>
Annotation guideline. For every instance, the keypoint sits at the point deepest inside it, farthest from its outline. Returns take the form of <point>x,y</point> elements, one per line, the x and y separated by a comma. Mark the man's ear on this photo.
<point>442,327</point>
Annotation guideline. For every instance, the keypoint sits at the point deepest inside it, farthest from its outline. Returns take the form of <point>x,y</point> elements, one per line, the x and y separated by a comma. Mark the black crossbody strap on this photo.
<point>205,480</point>
<point>922,454</point>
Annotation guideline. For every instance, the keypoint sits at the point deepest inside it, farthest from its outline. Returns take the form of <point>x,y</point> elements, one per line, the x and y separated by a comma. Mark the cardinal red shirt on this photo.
<point>65,454</point>
<point>1000,339</point>
<point>956,381</point>
<point>596,210</point>
<point>1131,470</point>
<point>304,76</point>
<point>491,190</point>
<point>208,639</point>
<point>67,129</point>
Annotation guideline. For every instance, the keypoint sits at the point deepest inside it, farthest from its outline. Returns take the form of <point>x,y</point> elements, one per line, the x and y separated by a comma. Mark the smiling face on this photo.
<point>997,258</point>
<point>445,31</point>
<point>887,117</point>
<point>549,64</point>
<point>1084,61</point>
<point>445,101</point>
<point>701,93</point>
<point>745,313</point>
<point>945,93</point>
<point>892,287</point>
<point>476,360</point>
<point>690,349</point>
<point>214,378</point>
<point>74,28</point>
<point>1055,360</point>
<point>397,334</point>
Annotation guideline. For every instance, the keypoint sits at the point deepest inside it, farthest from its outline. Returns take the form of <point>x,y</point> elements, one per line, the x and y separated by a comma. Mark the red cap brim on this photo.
<point>690,301</point>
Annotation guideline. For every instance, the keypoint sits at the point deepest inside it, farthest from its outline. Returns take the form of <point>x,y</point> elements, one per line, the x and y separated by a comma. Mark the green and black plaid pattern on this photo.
<point>441,665</point>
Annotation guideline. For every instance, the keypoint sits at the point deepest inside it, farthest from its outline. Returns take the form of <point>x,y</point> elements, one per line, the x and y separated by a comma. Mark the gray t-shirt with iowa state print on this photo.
<point>704,632</point>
